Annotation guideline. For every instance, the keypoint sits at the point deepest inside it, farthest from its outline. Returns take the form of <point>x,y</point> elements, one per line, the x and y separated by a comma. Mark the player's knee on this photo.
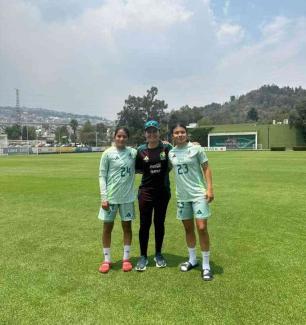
<point>202,228</point>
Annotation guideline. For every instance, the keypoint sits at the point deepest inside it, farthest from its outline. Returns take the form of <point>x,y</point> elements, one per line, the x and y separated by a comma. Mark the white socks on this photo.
<point>126,252</point>
<point>192,256</point>
<point>205,263</point>
<point>106,253</point>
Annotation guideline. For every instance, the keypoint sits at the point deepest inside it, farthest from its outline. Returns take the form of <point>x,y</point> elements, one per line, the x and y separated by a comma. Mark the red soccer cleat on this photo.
<point>105,267</point>
<point>126,266</point>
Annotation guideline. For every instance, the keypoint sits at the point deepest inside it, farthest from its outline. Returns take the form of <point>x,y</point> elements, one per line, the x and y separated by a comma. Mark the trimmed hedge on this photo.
<point>299,148</point>
<point>278,148</point>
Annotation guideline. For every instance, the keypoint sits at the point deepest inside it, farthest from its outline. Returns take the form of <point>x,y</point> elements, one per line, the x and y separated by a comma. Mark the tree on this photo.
<point>62,134</point>
<point>88,134</point>
<point>200,135</point>
<point>28,133</point>
<point>132,114</point>
<point>137,110</point>
<point>13,132</point>
<point>298,118</point>
<point>101,130</point>
<point>154,108</point>
<point>204,121</point>
<point>252,114</point>
<point>74,125</point>
<point>185,115</point>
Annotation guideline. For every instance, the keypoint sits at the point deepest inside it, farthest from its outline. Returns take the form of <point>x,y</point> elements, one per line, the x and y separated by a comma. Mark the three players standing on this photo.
<point>153,161</point>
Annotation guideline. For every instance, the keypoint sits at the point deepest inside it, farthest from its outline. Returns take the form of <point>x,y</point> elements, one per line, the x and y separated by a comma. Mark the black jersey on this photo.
<point>154,165</point>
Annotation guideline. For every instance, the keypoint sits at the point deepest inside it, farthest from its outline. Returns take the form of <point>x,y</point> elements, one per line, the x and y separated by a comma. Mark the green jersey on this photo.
<point>117,175</point>
<point>187,164</point>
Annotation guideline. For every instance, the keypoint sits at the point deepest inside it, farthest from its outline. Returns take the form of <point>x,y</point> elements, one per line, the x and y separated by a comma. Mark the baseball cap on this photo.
<point>150,124</point>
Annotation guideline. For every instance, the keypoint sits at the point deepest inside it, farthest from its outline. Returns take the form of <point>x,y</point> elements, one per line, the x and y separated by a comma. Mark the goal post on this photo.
<point>233,140</point>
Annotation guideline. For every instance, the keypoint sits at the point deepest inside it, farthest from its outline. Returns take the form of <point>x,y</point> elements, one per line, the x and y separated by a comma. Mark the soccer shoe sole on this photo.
<point>159,266</point>
<point>141,269</point>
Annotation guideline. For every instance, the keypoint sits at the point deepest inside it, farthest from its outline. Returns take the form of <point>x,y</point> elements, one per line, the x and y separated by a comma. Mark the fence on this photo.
<point>27,150</point>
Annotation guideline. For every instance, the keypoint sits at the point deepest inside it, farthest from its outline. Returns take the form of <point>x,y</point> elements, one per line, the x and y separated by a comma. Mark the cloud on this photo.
<point>276,30</point>
<point>276,58</point>
<point>73,63</point>
<point>229,33</point>
<point>91,60</point>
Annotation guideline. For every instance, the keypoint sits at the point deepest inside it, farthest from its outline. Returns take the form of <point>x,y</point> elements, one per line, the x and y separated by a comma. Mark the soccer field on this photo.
<point>51,250</point>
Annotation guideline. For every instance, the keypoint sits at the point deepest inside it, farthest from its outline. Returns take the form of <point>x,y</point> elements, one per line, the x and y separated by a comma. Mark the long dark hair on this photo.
<point>181,125</point>
<point>124,129</point>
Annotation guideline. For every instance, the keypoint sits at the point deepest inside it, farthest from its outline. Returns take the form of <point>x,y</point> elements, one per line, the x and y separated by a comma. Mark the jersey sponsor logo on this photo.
<point>146,158</point>
<point>199,212</point>
<point>155,169</point>
<point>158,165</point>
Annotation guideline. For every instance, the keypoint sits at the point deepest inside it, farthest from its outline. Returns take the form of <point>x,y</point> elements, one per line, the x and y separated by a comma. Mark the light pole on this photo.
<point>28,138</point>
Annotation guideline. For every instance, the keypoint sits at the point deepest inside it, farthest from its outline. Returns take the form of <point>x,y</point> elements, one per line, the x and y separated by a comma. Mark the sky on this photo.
<point>87,57</point>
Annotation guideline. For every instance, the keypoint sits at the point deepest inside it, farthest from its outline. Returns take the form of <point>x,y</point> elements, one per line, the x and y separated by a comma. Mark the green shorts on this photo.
<point>188,210</point>
<point>126,211</point>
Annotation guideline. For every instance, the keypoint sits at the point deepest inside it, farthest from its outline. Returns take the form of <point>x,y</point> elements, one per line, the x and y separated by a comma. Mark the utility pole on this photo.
<point>17,98</point>
<point>18,112</point>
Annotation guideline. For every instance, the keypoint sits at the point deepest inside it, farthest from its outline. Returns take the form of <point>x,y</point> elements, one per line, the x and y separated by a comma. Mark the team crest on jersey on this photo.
<point>162,156</point>
<point>146,158</point>
<point>130,155</point>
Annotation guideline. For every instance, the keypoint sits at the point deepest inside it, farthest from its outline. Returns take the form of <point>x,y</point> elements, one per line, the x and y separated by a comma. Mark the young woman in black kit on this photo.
<point>154,192</point>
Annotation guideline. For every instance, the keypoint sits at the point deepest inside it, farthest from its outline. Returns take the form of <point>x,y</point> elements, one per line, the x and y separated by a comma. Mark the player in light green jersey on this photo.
<point>116,178</point>
<point>194,191</point>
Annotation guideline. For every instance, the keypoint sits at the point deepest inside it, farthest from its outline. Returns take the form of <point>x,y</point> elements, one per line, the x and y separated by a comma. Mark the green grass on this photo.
<point>50,247</point>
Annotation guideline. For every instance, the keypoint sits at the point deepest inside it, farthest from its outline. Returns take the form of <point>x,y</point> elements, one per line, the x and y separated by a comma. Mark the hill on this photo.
<point>9,115</point>
<point>269,101</point>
